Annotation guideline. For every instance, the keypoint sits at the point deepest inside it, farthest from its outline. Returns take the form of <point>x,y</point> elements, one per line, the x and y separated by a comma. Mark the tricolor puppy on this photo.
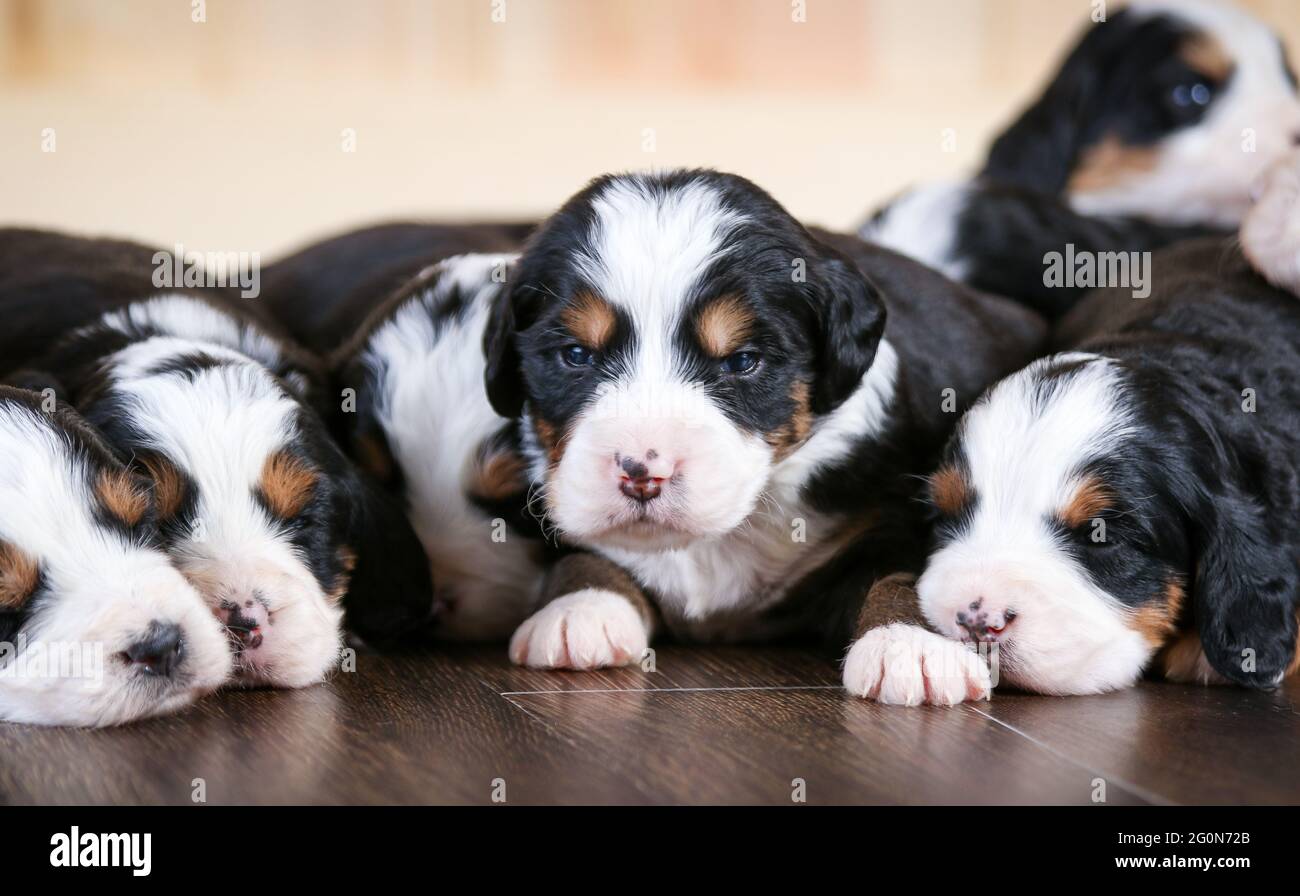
<point>1155,128</point>
<point>727,409</point>
<point>1134,502</point>
<point>96,625</point>
<point>255,504</point>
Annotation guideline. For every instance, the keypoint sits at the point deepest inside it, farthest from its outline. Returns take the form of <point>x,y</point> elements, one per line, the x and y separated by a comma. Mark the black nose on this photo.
<point>159,651</point>
<point>636,481</point>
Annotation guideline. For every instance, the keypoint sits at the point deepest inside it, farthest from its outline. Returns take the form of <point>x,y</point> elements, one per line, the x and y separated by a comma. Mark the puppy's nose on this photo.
<point>984,625</point>
<point>159,652</point>
<point>637,479</point>
<point>244,621</point>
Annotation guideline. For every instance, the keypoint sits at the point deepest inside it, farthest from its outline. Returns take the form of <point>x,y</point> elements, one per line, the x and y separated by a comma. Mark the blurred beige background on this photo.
<point>273,122</point>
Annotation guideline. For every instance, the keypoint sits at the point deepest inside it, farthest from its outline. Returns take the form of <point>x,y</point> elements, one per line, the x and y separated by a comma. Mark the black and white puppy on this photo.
<point>727,407</point>
<point>96,625</point>
<point>684,380</point>
<point>1133,502</point>
<point>255,504</point>
<point>1155,129</point>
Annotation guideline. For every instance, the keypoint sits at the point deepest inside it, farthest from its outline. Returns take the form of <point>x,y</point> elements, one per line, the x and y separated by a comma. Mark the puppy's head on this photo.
<point>257,506</point>
<point>1083,517</point>
<point>96,625</point>
<point>670,339</point>
<point>1166,110</point>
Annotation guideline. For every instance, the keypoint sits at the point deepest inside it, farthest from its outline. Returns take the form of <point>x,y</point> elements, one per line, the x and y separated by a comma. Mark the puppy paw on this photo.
<point>907,665</point>
<point>1270,232</point>
<point>588,629</point>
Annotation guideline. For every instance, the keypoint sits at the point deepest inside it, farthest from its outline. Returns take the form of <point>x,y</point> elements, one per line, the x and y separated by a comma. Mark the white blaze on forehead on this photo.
<point>48,505</point>
<point>1025,443</point>
<point>187,318</point>
<point>647,251</point>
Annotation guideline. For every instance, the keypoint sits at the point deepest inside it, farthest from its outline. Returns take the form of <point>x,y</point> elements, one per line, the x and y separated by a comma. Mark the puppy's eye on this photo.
<point>1190,96</point>
<point>740,363</point>
<point>578,356</point>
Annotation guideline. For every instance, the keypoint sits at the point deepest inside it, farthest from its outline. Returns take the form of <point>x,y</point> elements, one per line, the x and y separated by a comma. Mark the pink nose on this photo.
<point>641,479</point>
<point>984,625</point>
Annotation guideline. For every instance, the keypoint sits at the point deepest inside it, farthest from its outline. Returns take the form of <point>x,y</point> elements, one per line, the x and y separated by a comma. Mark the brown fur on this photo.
<point>791,434</point>
<point>1183,660</point>
<point>375,458</point>
<point>19,576</point>
<point>724,325</point>
<point>348,558</point>
<point>168,485</point>
<point>590,319</point>
<point>1090,499</point>
<point>1110,163</point>
<point>1206,55</point>
<point>1157,620</point>
<point>574,572</point>
<point>287,484</point>
<point>949,490</point>
<point>892,599</point>
<point>122,496</point>
<point>498,475</point>
<point>551,439</point>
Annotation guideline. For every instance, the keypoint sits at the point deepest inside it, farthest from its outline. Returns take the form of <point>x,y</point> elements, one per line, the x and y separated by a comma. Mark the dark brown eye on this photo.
<point>578,356</point>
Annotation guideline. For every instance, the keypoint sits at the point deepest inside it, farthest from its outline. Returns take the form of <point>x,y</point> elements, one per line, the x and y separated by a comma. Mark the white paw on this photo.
<point>907,665</point>
<point>1270,233</point>
<point>588,629</point>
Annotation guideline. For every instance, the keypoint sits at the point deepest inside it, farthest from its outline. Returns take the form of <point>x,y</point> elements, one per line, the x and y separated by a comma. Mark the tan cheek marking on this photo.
<point>498,475</point>
<point>1111,163</point>
<point>19,576</point>
<point>794,432</point>
<point>551,439</point>
<point>168,485</point>
<point>1157,620</point>
<point>1205,54</point>
<point>1184,661</point>
<point>723,326</point>
<point>121,495</point>
<point>1090,499</point>
<point>287,484</point>
<point>590,319</point>
<point>949,490</point>
<point>348,559</point>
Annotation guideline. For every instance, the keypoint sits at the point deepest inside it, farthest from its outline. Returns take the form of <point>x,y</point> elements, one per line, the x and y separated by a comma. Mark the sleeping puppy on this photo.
<point>678,377</point>
<point>1133,502</point>
<point>96,625</point>
<point>257,507</point>
<point>726,409</point>
<point>1154,130</point>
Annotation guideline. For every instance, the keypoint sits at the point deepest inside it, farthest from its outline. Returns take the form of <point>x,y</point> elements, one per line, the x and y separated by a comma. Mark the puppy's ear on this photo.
<point>389,594</point>
<point>1246,592</point>
<point>504,372</point>
<point>42,383</point>
<point>851,314</point>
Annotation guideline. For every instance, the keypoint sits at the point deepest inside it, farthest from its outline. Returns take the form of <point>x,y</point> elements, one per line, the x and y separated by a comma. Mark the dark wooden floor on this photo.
<point>709,726</point>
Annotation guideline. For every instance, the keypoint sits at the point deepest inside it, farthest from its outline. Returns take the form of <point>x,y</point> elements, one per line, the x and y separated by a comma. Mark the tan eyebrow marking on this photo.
<point>723,325</point>
<point>1205,54</point>
<point>590,319</point>
<point>949,490</point>
<point>1090,499</point>
<point>287,484</point>
<point>121,495</point>
<point>168,484</point>
<point>19,576</point>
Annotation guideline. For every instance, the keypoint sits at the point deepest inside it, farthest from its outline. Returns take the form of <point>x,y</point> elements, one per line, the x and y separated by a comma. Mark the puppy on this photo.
<point>1133,502</point>
<point>1154,130</point>
<point>725,408</point>
<point>96,625</point>
<point>255,504</point>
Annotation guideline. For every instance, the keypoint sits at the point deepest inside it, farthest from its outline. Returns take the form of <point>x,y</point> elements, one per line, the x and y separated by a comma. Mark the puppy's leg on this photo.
<point>897,659</point>
<point>1270,233</point>
<point>593,615</point>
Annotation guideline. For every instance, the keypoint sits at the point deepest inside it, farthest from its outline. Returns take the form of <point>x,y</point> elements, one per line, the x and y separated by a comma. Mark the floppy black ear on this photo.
<point>390,593</point>
<point>38,381</point>
<point>504,372</point>
<point>851,314</point>
<point>1246,592</point>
